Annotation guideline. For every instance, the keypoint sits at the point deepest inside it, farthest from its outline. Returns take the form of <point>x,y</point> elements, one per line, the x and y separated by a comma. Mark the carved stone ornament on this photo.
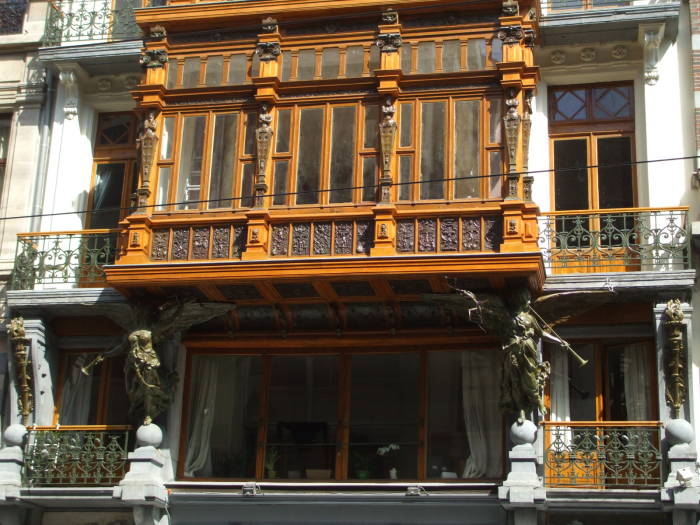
<point>527,126</point>
<point>652,41</point>
<point>675,368</point>
<point>153,58</point>
<point>146,142</point>
<point>390,16</point>
<point>510,35</point>
<point>157,32</point>
<point>389,42</point>
<point>269,25</point>
<point>511,121</point>
<point>529,38</point>
<point>619,52</point>
<point>558,57</point>
<point>69,80</point>
<point>268,50</point>
<point>20,349</point>
<point>387,134</point>
<point>263,141</point>
<point>588,54</point>
<point>510,8</point>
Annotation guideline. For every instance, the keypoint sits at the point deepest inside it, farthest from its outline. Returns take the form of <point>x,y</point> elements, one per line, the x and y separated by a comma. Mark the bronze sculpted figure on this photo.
<point>521,324</point>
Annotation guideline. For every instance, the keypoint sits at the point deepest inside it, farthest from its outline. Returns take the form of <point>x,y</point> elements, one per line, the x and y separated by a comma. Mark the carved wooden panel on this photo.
<point>343,238</point>
<point>181,243</point>
<point>280,239</point>
<point>240,232</point>
<point>364,236</point>
<point>406,236</point>
<point>322,238</point>
<point>301,238</point>
<point>493,232</point>
<point>221,242</point>
<point>471,233</point>
<point>427,235</point>
<point>200,243</point>
<point>159,247</point>
<point>449,235</point>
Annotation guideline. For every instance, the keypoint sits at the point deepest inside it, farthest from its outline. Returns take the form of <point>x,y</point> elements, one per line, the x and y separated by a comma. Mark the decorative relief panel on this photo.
<point>221,243</point>
<point>301,238</point>
<point>240,232</point>
<point>200,243</point>
<point>406,236</point>
<point>471,233</point>
<point>181,243</point>
<point>493,233</point>
<point>322,238</point>
<point>343,238</point>
<point>364,236</point>
<point>280,239</point>
<point>449,235</point>
<point>159,248</point>
<point>427,235</point>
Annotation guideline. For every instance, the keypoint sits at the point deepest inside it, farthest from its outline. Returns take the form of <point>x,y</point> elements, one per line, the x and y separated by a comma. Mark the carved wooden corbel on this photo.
<point>146,142</point>
<point>268,50</point>
<point>387,134</point>
<point>263,139</point>
<point>154,58</point>
<point>527,126</point>
<point>389,42</point>
<point>511,122</point>
<point>675,375</point>
<point>20,349</point>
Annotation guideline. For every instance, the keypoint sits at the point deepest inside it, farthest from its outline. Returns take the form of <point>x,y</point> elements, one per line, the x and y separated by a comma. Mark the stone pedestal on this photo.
<point>11,462</point>
<point>682,487</point>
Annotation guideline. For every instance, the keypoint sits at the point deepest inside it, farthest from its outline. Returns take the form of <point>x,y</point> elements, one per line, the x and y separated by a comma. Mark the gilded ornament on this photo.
<point>675,368</point>
<point>263,141</point>
<point>25,384</point>
<point>387,134</point>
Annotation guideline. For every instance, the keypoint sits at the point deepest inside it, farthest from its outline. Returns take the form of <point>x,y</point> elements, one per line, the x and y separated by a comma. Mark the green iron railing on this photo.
<point>623,455</point>
<point>63,258</point>
<point>615,240</point>
<point>76,456</point>
<point>90,20</point>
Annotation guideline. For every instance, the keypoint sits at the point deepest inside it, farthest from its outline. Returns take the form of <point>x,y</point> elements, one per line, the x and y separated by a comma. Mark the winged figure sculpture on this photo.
<point>521,323</point>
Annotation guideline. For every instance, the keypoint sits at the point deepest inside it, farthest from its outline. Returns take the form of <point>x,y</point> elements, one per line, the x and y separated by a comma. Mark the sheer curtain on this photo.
<point>202,412</point>
<point>637,382</point>
<point>76,396</point>
<point>482,416</point>
<point>559,386</point>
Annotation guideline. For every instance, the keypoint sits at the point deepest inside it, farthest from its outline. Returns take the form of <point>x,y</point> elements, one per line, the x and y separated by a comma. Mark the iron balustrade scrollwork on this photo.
<point>80,20</point>
<point>603,455</point>
<point>63,258</point>
<point>12,16</point>
<point>619,240</point>
<point>68,456</point>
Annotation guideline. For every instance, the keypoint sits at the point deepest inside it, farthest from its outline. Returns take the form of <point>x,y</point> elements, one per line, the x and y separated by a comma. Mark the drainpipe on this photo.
<point>46,123</point>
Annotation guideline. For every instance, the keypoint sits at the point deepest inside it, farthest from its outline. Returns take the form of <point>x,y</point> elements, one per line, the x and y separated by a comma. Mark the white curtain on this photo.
<point>637,382</point>
<point>482,416</point>
<point>202,412</point>
<point>559,386</point>
<point>76,396</point>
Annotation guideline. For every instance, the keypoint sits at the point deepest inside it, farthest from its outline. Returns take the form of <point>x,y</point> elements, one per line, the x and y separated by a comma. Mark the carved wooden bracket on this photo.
<point>146,141</point>
<point>154,58</point>
<point>387,133</point>
<point>268,50</point>
<point>263,139</point>
<point>675,375</point>
<point>20,349</point>
<point>511,121</point>
<point>389,42</point>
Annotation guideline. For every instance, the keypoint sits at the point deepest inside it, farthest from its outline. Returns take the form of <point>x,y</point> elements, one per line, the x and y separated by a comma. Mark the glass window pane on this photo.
<point>114,129</point>
<point>303,417</point>
<point>171,81</point>
<point>80,392</point>
<point>582,381</point>
<point>495,120</point>
<point>223,417</point>
<point>369,179</point>
<point>384,416</point>
<point>223,158</point>
<point>190,76</point>
<point>251,123</point>
<point>374,58</point>
<point>284,120</point>
<point>476,54</point>
<point>236,69</point>
<point>354,60</point>
<point>615,172</point>
<point>467,148</point>
<point>612,103</point>
<point>5,124</point>
<point>254,66</point>
<point>464,420</point>
<point>496,50</point>
<point>371,126</point>
<point>163,192</point>
<point>495,172</point>
<point>426,57</point>
<point>309,156</point>
<point>280,183</point>
<point>406,58</point>
<point>306,64</point>
<point>107,195</point>
<point>450,56</point>
<point>215,67</point>
<point>247,175</point>
<point>569,104</point>
<point>118,402</point>
<point>342,153</point>
<point>432,154</point>
<point>570,175</point>
<point>629,374</point>
<point>167,138</point>
<point>190,168</point>
<point>330,62</point>
<point>406,125</point>
<point>286,65</point>
<point>405,168</point>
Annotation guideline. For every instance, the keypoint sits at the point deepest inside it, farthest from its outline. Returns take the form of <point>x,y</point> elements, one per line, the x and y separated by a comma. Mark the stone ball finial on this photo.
<point>149,436</point>
<point>14,435</point>
<point>523,432</point>
<point>679,431</point>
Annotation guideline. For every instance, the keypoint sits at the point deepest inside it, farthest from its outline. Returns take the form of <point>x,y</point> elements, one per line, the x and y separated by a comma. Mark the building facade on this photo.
<point>359,262</point>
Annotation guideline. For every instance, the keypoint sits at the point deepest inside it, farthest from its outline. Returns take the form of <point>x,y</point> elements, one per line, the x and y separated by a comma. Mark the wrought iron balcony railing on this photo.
<point>623,455</point>
<point>558,6</point>
<point>90,20</point>
<point>63,258</point>
<point>76,455</point>
<point>12,16</point>
<point>630,239</point>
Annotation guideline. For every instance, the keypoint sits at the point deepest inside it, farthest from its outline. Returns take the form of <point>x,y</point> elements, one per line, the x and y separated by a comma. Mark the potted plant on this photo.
<point>271,457</point>
<point>387,451</point>
<point>361,462</point>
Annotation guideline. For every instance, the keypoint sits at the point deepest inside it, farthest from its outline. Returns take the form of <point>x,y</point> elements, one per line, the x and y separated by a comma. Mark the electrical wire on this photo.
<point>347,188</point>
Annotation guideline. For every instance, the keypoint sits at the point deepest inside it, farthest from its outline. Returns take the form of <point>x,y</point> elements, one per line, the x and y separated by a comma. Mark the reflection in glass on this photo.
<point>236,69</point>
<point>570,175</point>
<point>354,60</point>
<point>467,148</point>
<point>309,156</point>
<point>426,57</point>
<point>163,191</point>
<point>405,167</point>
<point>432,155</point>
<point>406,125</point>
<point>167,138</point>
<point>374,59</point>
<point>284,119</point>
<point>190,171</point>
<point>369,179</point>
<point>247,175</point>
<point>342,153</point>
<point>286,65</point>
<point>476,54</point>
<point>280,183</point>
<point>171,81</point>
<point>330,62</point>
<point>251,123</point>
<point>405,50</point>
<point>495,172</point>
<point>215,68</point>
<point>107,195</point>
<point>495,120</point>
<point>371,126</point>
<point>615,172</point>
<point>223,158</point>
<point>190,76</point>
<point>450,56</point>
<point>306,64</point>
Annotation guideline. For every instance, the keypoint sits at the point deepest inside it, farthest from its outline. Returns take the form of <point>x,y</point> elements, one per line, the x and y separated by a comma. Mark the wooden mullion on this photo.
<point>207,153</point>
<point>326,138</point>
<point>451,147</point>
<point>175,171</point>
<point>262,416</point>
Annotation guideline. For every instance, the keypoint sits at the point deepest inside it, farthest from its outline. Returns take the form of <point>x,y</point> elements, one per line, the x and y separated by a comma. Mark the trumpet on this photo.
<point>86,369</point>
<point>581,361</point>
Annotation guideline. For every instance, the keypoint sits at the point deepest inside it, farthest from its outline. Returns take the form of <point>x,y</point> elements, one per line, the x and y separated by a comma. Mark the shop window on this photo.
<point>347,416</point>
